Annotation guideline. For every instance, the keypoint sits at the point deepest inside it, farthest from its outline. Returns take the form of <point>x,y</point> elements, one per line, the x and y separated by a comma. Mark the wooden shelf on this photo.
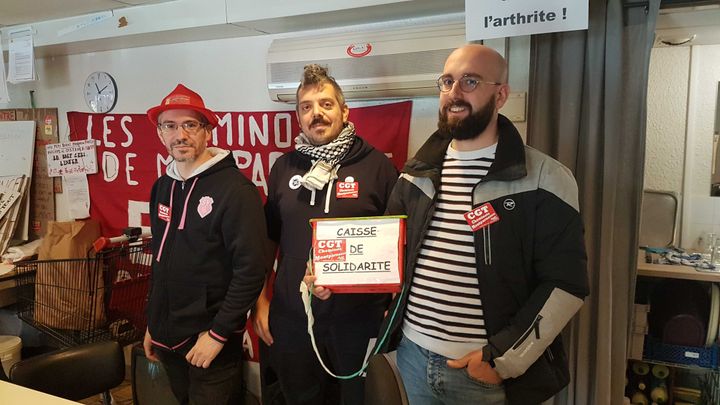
<point>674,271</point>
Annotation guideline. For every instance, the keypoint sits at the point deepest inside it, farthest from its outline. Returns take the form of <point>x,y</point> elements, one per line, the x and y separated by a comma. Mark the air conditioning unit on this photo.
<point>390,63</point>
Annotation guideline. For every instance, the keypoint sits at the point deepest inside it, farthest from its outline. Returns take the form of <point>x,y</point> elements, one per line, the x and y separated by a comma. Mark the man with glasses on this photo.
<point>209,257</point>
<point>495,263</point>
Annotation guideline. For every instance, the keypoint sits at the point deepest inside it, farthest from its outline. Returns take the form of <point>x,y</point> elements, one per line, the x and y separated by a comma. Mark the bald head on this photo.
<point>479,59</point>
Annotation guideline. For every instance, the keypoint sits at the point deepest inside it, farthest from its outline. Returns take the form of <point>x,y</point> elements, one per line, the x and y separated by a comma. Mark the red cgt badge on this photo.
<point>481,217</point>
<point>164,212</point>
<point>347,189</point>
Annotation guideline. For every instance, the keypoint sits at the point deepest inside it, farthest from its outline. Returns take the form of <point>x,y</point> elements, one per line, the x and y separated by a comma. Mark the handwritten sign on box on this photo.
<point>359,255</point>
<point>76,157</point>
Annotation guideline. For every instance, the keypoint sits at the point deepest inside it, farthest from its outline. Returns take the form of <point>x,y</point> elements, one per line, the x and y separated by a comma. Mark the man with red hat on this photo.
<point>208,256</point>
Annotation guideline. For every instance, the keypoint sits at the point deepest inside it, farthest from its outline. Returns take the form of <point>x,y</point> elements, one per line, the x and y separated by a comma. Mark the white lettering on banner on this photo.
<point>136,209</point>
<point>110,166</point>
<point>129,168</point>
<point>245,155</point>
<point>500,18</point>
<point>88,128</point>
<point>164,161</point>
<point>258,175</point>
<point>256,132</point>
<point>241,131</point>
<point>106,131</point>
<point>287,131</point>
<point>225,122</point>
<point>123,121</point>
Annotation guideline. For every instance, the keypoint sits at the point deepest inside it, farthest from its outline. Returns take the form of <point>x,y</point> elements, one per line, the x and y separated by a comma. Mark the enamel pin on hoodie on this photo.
<point>205,206</point>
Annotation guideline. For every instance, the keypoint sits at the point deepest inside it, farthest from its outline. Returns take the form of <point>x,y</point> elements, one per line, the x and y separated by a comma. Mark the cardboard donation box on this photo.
<point>359,255</point>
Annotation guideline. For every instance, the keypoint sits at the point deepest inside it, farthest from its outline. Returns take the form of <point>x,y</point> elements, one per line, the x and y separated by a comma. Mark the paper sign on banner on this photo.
<point>76,157</point>
<point>489,19</point>
<point>359,255</point>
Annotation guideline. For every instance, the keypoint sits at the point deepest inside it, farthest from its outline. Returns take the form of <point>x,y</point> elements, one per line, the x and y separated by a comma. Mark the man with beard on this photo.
<point>495,261</point>
<point>304,184</point>
<point>209,261</point>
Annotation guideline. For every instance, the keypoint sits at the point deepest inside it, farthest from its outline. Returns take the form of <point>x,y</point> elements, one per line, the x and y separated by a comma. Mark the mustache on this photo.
<point>181,142</point>
<point>319,120</point>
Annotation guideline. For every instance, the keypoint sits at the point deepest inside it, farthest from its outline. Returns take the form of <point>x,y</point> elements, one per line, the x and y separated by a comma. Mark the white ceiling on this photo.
<point>13,12</point>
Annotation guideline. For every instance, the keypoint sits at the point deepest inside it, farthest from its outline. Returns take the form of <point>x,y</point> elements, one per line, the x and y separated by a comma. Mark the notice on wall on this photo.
<point>359,254</point>
<point>75,187</point>
<point>489,19</point>
<point>4,95</point>
<point>21,55</point>
<point>76,157</point>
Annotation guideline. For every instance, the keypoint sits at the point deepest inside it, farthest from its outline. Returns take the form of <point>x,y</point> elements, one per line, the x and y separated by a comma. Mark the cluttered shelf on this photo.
<point>674,271</point>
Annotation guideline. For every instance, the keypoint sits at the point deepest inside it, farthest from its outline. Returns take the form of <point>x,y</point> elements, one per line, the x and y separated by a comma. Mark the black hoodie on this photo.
<point>288,210</point>
<point>209,258</point>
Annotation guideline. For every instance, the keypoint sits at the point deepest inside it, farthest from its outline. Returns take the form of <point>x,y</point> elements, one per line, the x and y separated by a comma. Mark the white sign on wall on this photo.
<point>76,157</point>
<point>486,19</point>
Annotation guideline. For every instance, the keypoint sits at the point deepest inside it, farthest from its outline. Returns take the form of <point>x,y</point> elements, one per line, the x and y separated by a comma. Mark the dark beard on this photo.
<point>469,127</point>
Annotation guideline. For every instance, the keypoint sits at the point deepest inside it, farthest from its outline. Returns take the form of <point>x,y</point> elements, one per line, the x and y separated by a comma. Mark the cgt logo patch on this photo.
<point>330,250</point>
<point>481,217</point>
<point>164,212</point>
<point>205,206</point>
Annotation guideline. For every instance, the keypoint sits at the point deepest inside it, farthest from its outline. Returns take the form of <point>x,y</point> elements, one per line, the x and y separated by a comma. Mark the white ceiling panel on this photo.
<point>14,12</point>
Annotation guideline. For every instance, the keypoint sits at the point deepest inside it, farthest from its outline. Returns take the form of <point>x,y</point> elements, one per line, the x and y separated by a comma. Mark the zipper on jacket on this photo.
<point>534,327</point>
<point>549,354</point>
<point>488,255</point>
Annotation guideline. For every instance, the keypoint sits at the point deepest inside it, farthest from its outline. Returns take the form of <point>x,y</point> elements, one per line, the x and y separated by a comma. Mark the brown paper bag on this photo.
<point>69,293</point>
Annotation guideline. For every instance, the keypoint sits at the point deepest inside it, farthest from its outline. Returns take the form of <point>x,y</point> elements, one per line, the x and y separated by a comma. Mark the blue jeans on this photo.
<point>429,381</point>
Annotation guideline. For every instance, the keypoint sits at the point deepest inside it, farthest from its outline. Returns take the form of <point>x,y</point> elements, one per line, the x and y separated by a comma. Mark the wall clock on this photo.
<point>100,92</point>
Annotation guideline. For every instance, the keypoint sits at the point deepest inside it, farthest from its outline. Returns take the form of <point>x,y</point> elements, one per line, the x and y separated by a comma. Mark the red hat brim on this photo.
<point>155,112</point>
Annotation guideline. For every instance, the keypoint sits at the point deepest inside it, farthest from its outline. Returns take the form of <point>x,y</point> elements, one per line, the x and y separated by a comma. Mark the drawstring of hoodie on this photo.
<point>331,181</point>
<point>167,224</point>
<point>181,226</point>
<point>329,190</point>
<point>182,219</point>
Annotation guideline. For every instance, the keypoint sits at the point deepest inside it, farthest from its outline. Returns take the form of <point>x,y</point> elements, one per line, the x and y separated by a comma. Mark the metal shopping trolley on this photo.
<point>99,298</point>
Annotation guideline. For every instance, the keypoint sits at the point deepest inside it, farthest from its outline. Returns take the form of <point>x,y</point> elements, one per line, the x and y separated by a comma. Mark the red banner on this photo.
<point>131,157</point>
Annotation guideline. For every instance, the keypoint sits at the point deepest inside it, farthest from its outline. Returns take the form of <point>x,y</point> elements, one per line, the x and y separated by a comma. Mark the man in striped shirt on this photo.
<point>495,254</point>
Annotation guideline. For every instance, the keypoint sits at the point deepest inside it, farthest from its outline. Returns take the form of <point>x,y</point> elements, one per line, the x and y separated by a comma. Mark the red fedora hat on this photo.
<point>185,99</point>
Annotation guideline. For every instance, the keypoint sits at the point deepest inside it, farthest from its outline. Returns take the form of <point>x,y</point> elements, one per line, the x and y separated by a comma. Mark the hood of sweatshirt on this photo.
<point>206,168</point>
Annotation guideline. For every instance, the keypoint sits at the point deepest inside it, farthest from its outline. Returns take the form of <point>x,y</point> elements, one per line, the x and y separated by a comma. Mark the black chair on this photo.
<point>383,384</point>
<point>74,373</point>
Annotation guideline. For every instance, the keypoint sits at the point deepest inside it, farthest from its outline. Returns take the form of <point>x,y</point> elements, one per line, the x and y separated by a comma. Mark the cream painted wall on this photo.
<point>667,107</point>
<point>682,94</point>
<point>229,74</point>
<point>702,213</point>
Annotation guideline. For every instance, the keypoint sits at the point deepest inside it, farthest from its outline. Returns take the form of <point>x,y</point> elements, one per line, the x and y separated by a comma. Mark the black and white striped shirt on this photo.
<point>445,313</point>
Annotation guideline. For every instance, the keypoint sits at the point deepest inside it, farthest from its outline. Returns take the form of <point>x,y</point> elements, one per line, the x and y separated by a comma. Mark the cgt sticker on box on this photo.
<point>359,255</point>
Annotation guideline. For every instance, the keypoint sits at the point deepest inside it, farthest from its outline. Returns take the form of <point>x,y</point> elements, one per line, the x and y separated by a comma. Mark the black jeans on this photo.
<point>221,383</point>
<point>300,375</point>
